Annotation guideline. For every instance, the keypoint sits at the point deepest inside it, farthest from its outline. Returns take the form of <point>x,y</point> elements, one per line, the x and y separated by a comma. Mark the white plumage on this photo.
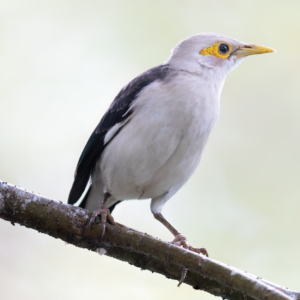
<point>158,142</point>
<point>161,157</point>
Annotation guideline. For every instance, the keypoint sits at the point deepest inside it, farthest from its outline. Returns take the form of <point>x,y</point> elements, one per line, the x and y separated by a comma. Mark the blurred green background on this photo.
<point>61,64</point>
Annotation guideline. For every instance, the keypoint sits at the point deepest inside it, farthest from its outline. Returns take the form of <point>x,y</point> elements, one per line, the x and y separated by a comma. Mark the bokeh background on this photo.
<point>61,64</point>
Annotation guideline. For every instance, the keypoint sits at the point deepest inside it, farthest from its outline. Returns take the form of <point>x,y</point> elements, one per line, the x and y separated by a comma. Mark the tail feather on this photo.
<point>84,200</point>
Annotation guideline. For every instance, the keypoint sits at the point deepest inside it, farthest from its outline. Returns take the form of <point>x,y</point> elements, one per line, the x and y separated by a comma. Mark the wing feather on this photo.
<point>118,111</point>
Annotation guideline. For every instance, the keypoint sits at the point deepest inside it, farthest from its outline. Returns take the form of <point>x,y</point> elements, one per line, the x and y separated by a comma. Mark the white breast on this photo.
<point>161,146</point>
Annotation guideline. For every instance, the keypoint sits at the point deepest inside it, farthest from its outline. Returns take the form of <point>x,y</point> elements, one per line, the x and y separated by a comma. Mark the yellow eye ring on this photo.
<point>217,49</point>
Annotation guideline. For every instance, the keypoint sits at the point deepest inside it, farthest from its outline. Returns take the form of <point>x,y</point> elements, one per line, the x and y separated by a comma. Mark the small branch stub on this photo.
<point>183,275</point>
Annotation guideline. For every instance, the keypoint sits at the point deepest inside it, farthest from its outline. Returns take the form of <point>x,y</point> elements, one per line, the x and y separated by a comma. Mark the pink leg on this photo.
<point>180,239</point>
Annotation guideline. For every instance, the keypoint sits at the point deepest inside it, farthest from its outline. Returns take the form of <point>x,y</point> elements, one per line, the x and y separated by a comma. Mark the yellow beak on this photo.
<point>252,49</point>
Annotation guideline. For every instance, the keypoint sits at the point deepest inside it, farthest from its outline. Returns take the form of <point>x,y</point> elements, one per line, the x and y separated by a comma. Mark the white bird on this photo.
<point>150,140</point>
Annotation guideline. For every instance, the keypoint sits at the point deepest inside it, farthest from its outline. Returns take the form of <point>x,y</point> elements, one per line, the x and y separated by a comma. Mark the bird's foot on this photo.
<point>104,212</point>
<point>180,240</point>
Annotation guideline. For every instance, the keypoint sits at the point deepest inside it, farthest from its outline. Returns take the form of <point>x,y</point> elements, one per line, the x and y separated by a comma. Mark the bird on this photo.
<point>151,139</point>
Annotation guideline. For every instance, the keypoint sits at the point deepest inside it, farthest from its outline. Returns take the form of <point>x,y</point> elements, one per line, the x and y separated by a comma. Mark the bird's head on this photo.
<point>211,54</point>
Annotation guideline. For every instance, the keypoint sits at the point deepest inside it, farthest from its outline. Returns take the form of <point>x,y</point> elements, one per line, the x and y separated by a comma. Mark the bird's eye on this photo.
<point>223,48</point>
<point>219,49</point>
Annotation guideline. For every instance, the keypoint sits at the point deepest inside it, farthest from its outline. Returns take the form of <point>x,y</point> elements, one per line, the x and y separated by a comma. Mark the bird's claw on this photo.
<point>199,250</point>
<point>180,240</point>
<point>105,216</point>
<point>95,214</point>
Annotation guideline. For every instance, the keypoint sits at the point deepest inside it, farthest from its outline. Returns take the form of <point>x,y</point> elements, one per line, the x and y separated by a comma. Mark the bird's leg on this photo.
<point>180,239</point>
<point>105,214</point>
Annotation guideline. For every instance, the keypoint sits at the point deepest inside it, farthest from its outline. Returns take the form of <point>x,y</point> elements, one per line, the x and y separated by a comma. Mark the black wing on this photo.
<point>118,111</point>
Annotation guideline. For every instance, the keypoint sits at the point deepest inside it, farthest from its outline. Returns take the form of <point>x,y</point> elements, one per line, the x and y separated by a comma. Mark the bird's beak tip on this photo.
<point>253,49</point>
<point>263,49</point>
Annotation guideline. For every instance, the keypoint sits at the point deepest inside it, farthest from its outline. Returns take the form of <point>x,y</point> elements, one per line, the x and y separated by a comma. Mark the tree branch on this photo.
<point>68,223</point>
